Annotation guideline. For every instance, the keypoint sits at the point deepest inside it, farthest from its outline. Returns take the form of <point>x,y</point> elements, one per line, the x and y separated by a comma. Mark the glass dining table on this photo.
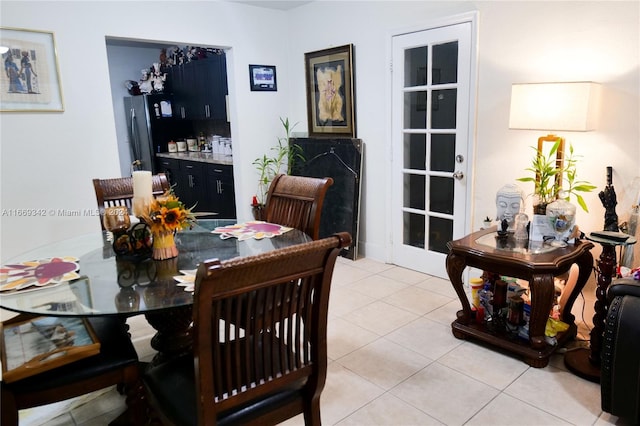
<point>124,287</point>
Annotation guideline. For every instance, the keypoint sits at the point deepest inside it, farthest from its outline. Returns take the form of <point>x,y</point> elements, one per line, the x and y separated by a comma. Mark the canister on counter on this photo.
<point>182,146</point>
<point>172,146</point>
<point>192,144</point>
<point>476,285</point>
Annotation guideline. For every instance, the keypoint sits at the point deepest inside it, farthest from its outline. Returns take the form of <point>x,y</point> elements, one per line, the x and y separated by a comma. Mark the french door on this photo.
<point>431,135</point>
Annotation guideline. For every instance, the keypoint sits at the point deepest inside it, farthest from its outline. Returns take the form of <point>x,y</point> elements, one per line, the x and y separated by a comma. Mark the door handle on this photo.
<point>458,175</point>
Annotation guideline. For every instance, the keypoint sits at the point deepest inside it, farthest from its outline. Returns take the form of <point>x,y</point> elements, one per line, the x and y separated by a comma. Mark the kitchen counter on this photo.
<point>202,157</point>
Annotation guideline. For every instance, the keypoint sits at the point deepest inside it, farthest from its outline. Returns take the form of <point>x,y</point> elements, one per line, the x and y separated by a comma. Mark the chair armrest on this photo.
<point>623,287</point>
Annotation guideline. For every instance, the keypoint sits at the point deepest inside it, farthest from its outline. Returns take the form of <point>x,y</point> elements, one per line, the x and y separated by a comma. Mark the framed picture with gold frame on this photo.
<point>31,81</point>
<point>33,345</point>
<point>331,92</point>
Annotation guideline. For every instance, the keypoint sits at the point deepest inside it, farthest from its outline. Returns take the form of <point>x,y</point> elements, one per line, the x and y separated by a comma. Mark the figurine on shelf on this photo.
<point>509,201</point>
<point>609,202</point>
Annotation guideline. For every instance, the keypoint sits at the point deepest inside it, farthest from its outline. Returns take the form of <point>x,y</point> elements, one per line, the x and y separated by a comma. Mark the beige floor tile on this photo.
<point>344,274</point>
<point>404,275</point>
<point>445,314</point>
<point>559,393</point>
<point>450,397</point>
<point>110,403</point>
<point>344,393</point>
<point>344,300</point>
<point>484,364</point>
<point>426,337</point>
<point>387,410</point>
<point>417,300</point>
<point>384,363</point>
<point>371,265</point>
<point>377,286</point>
<point>380,317</point>
<point>438,285</point>
<point>609,419</point>
<point>504,409</point>
<point>344,337</point>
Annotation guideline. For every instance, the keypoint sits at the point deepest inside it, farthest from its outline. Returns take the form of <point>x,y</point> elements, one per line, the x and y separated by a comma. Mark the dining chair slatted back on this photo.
<point>296,201</point>
<point>115,364</point>
<point>119,191</point>
<point>268,372</point>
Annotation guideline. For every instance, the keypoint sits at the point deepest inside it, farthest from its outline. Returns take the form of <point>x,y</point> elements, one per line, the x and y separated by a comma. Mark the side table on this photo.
<point>585,362</point>
<point>537,263</point>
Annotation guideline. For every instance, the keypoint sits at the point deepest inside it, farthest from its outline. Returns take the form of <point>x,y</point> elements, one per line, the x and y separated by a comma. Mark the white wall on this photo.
<point>518,42</point>
<point>49,159</point>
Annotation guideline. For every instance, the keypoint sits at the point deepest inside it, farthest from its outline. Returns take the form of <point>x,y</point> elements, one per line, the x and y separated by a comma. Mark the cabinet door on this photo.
<point>195,193</point>
<point>181,85</point>
<point>210,81</point>
<point>171,168</point>
<point>221,190</point>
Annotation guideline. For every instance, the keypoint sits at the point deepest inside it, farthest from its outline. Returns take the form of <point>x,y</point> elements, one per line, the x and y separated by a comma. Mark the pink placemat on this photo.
<point>38,273</point>
<point>254,229</point>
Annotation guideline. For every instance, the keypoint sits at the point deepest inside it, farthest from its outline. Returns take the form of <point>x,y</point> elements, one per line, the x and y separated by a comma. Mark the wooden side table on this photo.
<point>537,263</point>
<point>585,362</point>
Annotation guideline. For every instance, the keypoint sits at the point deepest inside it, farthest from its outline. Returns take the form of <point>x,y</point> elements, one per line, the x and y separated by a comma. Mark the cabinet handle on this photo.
<point>217,170</point>
<point>190,181</point>
<point>219,187</point>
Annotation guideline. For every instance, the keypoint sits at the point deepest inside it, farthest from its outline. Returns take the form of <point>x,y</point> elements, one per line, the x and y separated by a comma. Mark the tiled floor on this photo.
<point>394,361</point>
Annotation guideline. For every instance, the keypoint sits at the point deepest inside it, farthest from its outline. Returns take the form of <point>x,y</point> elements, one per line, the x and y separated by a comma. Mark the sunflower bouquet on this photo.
<point>167,214</point>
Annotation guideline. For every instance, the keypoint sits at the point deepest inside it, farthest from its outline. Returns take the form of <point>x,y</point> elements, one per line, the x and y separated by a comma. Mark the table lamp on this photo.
<point>570,106</point>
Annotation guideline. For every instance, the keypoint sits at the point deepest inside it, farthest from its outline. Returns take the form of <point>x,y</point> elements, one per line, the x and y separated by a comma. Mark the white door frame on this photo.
<point>473,18</point>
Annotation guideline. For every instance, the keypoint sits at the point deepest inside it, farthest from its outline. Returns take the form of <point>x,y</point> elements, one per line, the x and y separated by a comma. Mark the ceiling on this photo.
<point>280,5</point>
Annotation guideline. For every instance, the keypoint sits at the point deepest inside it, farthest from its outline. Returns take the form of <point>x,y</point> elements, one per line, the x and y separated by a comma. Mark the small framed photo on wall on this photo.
<point>263,78</point>
<point>331,92</point>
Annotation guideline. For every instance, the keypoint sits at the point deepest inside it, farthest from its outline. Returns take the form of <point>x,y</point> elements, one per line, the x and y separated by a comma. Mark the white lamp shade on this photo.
<point>570,106</point>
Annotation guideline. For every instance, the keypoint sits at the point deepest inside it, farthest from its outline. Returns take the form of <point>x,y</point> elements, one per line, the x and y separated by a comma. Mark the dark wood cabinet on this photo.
<point>200,88</point>
<point>221,191</point>
<point>207,186</point>
<point>171,168</point>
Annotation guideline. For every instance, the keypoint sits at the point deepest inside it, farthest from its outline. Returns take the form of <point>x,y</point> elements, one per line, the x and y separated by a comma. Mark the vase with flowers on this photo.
<point>167,215</point>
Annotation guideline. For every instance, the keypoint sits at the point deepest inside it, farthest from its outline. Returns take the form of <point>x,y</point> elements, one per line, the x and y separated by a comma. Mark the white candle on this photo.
<point>142,192</point>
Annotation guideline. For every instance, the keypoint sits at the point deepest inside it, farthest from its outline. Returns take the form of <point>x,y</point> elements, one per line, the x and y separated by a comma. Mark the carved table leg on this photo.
<point>173,337</point>
<point>542,291</point>
<point>606,268</point>
<point>455,266</point>
<point>585,362</point>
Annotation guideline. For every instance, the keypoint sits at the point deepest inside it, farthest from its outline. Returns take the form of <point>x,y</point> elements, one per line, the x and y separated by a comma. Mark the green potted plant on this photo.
<point>548,179</point>
<point>268,167</point>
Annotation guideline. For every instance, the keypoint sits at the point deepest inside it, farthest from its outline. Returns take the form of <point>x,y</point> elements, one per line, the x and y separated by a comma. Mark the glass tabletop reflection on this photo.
<point>110,285</point>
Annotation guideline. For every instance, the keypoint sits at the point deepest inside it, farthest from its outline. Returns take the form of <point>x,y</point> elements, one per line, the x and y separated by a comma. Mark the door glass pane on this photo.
<point>440,233</point>
<point>441,194</point>
<point>415,151</point>
<point>443,109</point>
<point>445,63</point>
<point>413,230</point>
<point>414,193</point>
<point>415,66</point>
<point>415,110</point>
<point>443,152</point>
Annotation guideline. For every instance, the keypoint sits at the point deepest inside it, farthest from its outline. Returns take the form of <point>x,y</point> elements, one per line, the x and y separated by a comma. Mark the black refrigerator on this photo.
<point>151,124</point>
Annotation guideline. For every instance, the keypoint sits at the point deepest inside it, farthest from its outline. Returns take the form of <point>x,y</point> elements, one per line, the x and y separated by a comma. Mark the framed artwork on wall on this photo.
<point>31,81</point>
<point>331,92</point>
<point>263,78</point>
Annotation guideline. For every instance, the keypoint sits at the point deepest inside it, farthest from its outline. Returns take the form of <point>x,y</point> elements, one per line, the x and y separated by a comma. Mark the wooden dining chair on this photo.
<point>296,201</point>
<point>115,364</point>
<point>263,376</point>
<point>119,191</point>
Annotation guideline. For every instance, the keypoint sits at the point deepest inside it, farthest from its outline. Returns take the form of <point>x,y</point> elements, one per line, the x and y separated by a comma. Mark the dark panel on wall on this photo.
<point>340,159</point>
